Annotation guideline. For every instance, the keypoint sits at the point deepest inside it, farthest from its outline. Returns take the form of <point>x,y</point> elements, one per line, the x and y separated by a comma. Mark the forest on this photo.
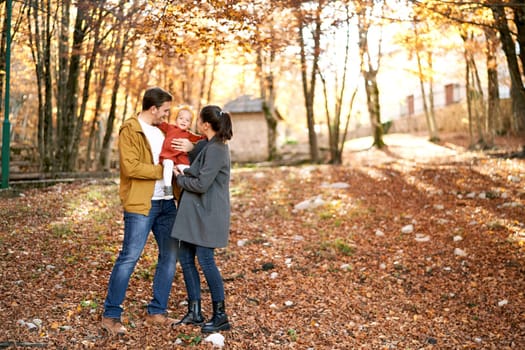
<point>395,240</point>
<point>79,67</point>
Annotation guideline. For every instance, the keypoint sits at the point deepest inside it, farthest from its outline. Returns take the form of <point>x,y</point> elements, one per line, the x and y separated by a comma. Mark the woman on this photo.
<point>203,219</point>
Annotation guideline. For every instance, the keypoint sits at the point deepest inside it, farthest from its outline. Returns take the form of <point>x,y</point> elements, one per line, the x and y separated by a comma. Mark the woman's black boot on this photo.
<point>194,315</point>
<point>219,321</point>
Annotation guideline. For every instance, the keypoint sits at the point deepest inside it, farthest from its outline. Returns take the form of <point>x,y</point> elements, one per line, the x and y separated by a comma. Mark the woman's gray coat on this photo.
<point>203,216</point>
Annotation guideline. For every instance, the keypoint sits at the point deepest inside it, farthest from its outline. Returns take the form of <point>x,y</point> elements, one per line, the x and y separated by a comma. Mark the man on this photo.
<point>145,210</point>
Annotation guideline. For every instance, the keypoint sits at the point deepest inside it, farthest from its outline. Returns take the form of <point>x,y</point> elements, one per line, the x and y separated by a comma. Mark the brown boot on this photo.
<point>159,320</point>
<point>113,326</point>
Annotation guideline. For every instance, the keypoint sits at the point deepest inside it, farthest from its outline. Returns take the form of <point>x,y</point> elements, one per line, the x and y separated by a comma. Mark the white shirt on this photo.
<point>155,138</point>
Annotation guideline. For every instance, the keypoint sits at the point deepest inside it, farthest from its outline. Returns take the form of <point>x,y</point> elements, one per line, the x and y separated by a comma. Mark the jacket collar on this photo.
<point>133,123</point>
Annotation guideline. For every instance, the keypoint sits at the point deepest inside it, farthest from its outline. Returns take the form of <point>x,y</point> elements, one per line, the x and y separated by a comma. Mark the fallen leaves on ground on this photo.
<point>398,254</point>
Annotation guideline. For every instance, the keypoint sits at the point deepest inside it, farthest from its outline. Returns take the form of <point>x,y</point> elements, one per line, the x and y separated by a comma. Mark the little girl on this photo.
<point>170,157</point>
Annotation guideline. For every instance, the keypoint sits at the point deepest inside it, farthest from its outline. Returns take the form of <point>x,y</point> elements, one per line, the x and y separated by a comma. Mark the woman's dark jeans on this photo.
<point>187,253</point>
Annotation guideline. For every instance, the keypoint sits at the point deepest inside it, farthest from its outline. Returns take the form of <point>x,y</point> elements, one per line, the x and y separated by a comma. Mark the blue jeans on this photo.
<point>187,254</point>
<point>136,231</point>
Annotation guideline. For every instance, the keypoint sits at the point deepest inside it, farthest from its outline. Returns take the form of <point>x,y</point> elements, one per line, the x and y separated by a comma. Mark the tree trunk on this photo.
<point>309,83</point>
<point>517,92</point>
<point>475,98</point>
<point>267,94</point>
<point>69,138</point>
<point>519,21</point>
<point>271,118</point>
<point>271,122</point>
<point>422,89</point>
<point>132,62</point>
<point>469,100</point>
<point>105,153</point>
<point>95,131</point>
<point>428,101</point>
<point>40,43</point>
<point>374,111</point>
<point>63,12</point>
<point>79,122</point>
<point>347,123</point>
<point>433,128</point>
<point>203,82</point>
<point>68,95</point>
<point>480,105</point>
<point>493,110</point>
<point>336,138</point>
<point>370,79</point>
<point>212,77</point>
<point>327,112</point>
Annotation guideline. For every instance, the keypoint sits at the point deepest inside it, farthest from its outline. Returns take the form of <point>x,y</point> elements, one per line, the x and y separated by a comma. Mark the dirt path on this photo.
<point>417,149</point>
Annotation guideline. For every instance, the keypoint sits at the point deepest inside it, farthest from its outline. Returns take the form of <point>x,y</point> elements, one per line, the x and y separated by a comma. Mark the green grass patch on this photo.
<point>190,339</point>
<point>335,247</point>
<point>292,333</point>
<point>89,304</point>
<point>62,230</point>
<point>343,247</point>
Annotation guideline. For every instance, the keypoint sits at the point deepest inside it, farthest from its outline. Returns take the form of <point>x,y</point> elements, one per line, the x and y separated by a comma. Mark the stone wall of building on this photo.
<point>250,138</point>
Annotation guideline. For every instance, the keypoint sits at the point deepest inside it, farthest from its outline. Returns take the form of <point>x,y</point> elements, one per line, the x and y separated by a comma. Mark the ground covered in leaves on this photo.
<point>418,246</point>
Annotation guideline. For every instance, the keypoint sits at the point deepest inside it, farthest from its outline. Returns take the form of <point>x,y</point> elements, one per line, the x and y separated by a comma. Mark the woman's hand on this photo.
<point>183,145</point>
<point>176,171</point>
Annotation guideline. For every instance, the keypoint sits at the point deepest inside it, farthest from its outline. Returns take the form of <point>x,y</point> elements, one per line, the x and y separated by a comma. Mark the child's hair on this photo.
<point>219,120</point>
<point>185,108</point>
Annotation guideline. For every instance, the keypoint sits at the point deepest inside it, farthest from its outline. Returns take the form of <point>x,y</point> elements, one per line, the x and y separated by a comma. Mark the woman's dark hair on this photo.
<point>219,120</point>
<point>155,96</point>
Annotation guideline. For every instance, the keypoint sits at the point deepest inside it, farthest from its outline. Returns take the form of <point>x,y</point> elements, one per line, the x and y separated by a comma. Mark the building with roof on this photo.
<point>250,129</point>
